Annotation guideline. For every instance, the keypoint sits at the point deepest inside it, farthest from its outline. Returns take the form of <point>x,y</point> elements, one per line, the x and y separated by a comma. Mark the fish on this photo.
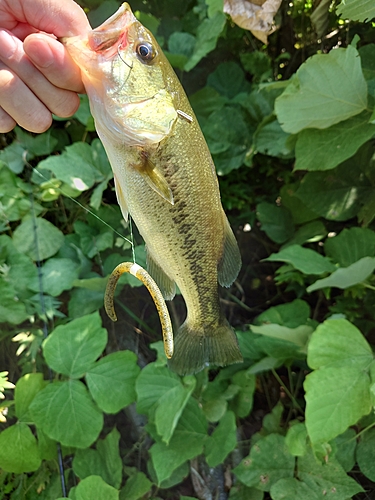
<point>165,179</point>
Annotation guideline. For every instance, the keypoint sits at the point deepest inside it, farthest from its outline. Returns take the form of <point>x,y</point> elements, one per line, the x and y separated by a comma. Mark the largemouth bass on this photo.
<point>165,178</point>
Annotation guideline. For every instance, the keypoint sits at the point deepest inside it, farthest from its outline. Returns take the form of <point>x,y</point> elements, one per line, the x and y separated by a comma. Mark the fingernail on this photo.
<point>8,44</point>
<point>38,49</point>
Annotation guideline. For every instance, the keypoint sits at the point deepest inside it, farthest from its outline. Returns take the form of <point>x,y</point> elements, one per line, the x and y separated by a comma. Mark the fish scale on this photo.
<point>165,178</point>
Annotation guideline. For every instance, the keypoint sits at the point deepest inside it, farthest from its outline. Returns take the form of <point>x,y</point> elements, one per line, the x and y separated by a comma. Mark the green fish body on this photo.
<point>165,178</point>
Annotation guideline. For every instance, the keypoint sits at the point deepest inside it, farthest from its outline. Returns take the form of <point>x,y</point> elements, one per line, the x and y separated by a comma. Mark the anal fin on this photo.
<point>230,262</point>
<point>166,285</point>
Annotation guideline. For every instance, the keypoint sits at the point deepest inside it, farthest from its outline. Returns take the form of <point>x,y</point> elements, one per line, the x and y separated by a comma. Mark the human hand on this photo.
<point>37,75</point>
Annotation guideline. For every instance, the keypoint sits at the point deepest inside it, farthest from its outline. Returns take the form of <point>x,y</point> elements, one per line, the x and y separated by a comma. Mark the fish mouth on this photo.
<point>112,33</point>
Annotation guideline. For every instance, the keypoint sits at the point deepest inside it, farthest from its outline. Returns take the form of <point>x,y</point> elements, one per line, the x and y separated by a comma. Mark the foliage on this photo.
<point>290,127</point>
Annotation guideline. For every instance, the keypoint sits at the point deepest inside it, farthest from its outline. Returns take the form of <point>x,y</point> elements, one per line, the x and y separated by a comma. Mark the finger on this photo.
<point>59,101</point>
<point>54,61</point>
<point>60,17</point>
<point>17,100</point>
<point>6,122</point>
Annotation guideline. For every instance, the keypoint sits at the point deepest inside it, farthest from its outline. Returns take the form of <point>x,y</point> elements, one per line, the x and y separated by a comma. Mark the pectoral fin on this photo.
<point>156,180</point>
<point>166,285</point>
<point>121,200</point>
<point>230,262</point>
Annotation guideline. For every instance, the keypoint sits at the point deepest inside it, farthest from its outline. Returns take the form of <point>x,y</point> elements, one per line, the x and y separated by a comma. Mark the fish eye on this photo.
<point>145,51</point>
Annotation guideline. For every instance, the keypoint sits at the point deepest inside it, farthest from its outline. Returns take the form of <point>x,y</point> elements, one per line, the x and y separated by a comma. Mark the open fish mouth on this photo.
<point>112,34</point>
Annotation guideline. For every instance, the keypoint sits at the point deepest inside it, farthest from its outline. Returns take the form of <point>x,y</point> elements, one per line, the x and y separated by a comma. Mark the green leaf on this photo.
<point>242,402</point>
<point>75,167</point>
<point>19,449</point>
<point>58,275</point>
<point>296,439</point>
<point>136,487</point>
<point>11,309</point>
<point>298,336</point>
<point>222,441</point>
<point>366,454</point>
<point>329,477</point>
<point>152,383</point>
<point>105,461</point>
<point>313,98</point>
<point>292,488</point>
<point>269,461</point>
<point>84,301</point>
<point>338,392</point>
<point>304,259</point>
<point>270,139</point>
<point>94,487</point>
<point>72,349</point>
<point>325,149</point>
<point>275,221</point>
<point>292,314</point>
<point>111,381</point>
<point>228,79</point>
<point>170,407</point>
<point>300,212</point>
<point>356,10</point>
<point>337,342</point>
<point>49,238</point>
<point>208,33</point>
<point>337,194</point>
<point>241,492</point>
<point>26,389</point>
<point>67,414</point>
<point>348,276</point>
<point>346,445</point>
<point>187,442</point>
<point>351,245</point>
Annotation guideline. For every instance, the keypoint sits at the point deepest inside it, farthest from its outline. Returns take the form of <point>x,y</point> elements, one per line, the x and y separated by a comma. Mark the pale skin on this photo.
<point>37,75</point>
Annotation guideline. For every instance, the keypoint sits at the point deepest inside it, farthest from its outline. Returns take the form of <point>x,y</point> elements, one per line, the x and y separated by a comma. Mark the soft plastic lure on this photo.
<point>152,287</point>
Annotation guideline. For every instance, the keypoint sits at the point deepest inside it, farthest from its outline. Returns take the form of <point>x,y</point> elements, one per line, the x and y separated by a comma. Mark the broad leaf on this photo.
<point>314,99</point>
<point>58,275</point>
<point>348,276</point>
<point>19,449</point>
<point>366,454</point>
<point>351,245</point>
<point>47,236</point>
<point>329,477</point>
<point>356,10</point>
<point>275,221</point>
<point>304,259</point>
<point>105,461</point>
<point>26,389</point>
<point>325,149</point>
<point>67,414</point>
<point>338,342</point>
<point>291,315</point>
<point>72,349</point>
<point>296,439</point>
<point>269,461</point>
<point>222,441</point>
<point>112,379</point>
<point>187,442</point>
<point>95,487</point>
<point>136,487</point>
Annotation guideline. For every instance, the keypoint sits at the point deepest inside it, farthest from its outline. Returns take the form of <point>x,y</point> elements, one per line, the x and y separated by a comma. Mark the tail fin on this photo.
<point>197,348</point>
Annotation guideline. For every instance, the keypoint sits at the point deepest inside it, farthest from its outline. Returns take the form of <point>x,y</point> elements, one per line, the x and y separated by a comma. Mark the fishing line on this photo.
<point>45,326</point>
<point>85,208</point>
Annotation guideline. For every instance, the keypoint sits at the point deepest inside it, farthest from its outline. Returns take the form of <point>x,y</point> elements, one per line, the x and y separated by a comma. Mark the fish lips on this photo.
<point>112,33</point>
